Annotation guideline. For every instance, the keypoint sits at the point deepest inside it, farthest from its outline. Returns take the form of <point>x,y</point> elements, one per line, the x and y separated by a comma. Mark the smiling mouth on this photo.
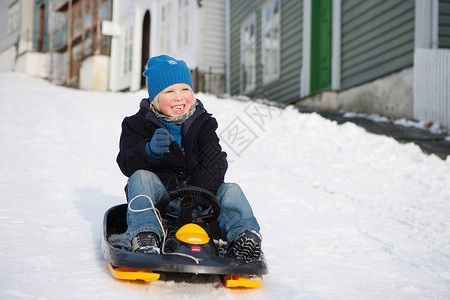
<point>178,108</point>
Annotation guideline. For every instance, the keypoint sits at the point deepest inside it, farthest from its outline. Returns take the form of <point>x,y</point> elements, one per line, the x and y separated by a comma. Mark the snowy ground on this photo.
<point>345,214</point>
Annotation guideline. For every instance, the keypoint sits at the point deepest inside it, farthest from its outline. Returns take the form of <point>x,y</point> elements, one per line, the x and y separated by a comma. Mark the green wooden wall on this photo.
<point>377,39</point>
<point>444,24</point>
<point>287,87</point>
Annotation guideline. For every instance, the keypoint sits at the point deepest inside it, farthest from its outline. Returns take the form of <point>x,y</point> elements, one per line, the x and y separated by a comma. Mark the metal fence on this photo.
<point>212,81</point>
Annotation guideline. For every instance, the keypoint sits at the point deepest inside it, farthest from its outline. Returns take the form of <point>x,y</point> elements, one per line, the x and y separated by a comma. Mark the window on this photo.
<point>59,28</point>
<point>103,11</point>
<point>271,40</point>
<point>88,19</point>
<point>87,44</point>
<point>165,28</point>
<point>183,17</point>
<point>186,23</point>
<point>248,54</point>
<point>128,50</point>
<point>77,23</point>
<point>13,17</point>
<point>77,52</point>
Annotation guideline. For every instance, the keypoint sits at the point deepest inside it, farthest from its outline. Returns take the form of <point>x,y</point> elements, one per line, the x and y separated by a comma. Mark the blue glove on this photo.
<point>160,142</point>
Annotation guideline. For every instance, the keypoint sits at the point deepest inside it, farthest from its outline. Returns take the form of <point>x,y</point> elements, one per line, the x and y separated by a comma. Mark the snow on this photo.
<point>345,214</point>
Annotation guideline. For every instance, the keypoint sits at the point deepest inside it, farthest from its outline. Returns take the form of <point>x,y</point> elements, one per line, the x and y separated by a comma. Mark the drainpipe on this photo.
<point>97,49</point>
<point>426,24</point>
<point>227,47</point>
<point>435,24</point>
<point>50,38</point>
<point>69,43</point>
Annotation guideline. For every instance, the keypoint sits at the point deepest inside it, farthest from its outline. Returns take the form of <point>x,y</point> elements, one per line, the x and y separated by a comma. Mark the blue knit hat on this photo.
<point>163,71</point>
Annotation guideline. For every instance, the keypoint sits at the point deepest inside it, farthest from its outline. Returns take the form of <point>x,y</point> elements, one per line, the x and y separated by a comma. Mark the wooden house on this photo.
<point>24,38</point>
<point>78,46</point>
<point>191,30</point>
<point>359,55</point>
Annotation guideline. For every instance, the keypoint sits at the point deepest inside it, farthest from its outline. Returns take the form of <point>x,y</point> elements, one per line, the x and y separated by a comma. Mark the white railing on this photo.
<point>432,85</point>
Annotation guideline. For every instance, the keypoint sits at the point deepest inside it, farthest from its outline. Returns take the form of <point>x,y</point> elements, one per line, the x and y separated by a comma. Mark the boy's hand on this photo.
<point>160,142</point>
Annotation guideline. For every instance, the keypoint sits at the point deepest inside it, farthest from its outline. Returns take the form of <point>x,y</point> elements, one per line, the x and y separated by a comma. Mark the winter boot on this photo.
<point>145,242</point>
<point>246,246</point>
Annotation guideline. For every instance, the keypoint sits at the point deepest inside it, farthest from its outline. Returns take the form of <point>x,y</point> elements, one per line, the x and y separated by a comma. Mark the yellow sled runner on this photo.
<point>229,281</point>
<point>188,245</point>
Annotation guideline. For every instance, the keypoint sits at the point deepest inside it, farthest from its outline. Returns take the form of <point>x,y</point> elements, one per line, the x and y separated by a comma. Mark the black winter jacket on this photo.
<point>201,162</point>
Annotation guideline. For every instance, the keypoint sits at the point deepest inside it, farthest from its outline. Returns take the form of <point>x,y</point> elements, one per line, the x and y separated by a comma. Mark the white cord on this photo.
<point>158,217</point>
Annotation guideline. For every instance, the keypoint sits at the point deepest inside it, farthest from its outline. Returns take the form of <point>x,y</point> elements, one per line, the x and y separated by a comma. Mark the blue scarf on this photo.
<point>175,130</point>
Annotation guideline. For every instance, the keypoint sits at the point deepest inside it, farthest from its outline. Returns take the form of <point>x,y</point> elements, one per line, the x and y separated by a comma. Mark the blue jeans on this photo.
<point>236,213</point>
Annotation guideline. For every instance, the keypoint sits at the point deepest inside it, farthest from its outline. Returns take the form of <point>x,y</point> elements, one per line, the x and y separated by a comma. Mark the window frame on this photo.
<point>183,24</point>
<point>13,22</point>
<point>128,50</point>
<point>166,28</point>
<point>245,48</point>
<point>272,28</point>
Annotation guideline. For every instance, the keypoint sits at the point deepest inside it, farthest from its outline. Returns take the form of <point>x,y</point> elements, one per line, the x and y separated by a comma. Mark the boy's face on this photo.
<point>176,100</point>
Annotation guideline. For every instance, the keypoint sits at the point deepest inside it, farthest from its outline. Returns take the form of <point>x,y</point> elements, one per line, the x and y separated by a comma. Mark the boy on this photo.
<point>169,143</point>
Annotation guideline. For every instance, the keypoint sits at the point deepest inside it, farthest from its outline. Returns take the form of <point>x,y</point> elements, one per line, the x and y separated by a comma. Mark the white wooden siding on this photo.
<point>432,85</point>
<point>214,35</point>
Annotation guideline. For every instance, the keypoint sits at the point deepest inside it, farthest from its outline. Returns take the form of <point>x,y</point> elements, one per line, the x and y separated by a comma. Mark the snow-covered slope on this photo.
<point>344,214</point>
